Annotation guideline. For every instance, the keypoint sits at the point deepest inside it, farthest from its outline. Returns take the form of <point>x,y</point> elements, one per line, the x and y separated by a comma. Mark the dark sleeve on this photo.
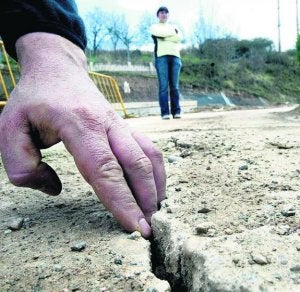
<point>19,17</point>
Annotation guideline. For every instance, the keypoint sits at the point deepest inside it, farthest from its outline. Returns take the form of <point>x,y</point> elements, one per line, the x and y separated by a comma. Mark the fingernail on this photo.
<point>145,228</point>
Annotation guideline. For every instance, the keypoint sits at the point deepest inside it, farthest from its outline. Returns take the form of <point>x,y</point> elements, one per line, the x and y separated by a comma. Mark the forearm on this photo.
<point>175,38</point>
<point>162,31</point>
<point>49,53</point>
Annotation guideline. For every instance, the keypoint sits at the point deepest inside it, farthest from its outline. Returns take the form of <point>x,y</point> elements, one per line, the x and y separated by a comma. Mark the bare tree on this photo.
<point>206,30</point>
<point>114,26</point>
<point>119,31</point>
<point>96,29</point>
<point>125,35</point>
<point>145,22</point>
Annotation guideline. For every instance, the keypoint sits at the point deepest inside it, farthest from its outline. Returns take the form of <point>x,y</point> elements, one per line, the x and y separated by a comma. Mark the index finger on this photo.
<point>100,168</point>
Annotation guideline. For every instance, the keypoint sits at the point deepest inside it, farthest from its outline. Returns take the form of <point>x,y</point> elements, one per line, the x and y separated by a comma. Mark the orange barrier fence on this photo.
<point>7,79</point>
<point>110,89</point>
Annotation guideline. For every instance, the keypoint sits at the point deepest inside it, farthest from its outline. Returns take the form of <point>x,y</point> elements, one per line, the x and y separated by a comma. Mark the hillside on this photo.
<point>238,68</point>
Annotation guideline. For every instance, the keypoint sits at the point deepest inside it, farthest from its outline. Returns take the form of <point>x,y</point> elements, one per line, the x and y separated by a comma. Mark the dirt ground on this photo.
<point>229,173</point>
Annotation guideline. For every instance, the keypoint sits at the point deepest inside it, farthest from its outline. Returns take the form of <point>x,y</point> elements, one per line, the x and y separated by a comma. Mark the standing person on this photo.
<point>167,39</point>
<point>56,101</point>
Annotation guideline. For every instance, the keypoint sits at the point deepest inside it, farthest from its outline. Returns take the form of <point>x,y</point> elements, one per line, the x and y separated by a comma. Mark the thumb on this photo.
<point>23,162</point>
<point>40,177</point>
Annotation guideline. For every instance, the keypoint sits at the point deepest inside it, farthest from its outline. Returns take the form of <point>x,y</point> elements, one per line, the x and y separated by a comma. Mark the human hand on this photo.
<point>55,100</point>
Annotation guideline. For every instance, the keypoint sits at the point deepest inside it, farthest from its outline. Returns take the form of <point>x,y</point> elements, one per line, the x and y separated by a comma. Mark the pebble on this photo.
<point>118,262</point>
<point>164,204</point>
<point>212,232</point>
<point>15,223</point>
<point>172,159</point>
<point>295,268</point>
<point>228,231</point>
<point>259,259</point>
<point>35,257</point>
<point>243,167</point>
<point>185,153</point>
<point>78,246</point>
<point>134,235</point>
<point>57,268</point>
<point>288,213</point>
<point>204,210</point>
<point>202,228</point>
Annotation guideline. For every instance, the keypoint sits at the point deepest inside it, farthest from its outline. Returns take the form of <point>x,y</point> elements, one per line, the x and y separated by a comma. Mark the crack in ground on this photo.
<point>160,271</point>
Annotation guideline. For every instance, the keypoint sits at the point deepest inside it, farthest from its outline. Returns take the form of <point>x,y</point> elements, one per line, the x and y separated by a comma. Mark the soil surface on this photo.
<point>233,184</point>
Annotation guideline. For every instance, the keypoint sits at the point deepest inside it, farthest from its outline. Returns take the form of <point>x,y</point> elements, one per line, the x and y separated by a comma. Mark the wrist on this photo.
<point>45,51</point>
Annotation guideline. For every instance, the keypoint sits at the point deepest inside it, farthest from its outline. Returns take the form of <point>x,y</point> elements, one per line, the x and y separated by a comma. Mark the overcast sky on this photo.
<point>245,19</point>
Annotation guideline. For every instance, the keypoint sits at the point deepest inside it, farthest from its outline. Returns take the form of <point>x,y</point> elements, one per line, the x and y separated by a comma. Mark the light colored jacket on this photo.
<point>167,38</point>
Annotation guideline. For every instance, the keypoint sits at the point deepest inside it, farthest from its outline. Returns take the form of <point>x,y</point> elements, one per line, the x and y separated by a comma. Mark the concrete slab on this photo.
<point>231,220</point>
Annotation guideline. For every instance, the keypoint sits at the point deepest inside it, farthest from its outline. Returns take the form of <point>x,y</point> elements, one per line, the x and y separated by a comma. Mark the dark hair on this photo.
<point>162,8</point>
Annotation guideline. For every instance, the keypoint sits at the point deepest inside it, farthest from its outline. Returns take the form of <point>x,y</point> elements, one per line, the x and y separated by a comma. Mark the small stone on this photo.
<point>228,231</point>
<point>202,228</point>
<point>243,167</point>
<point>78,246</point>
<point>212,232</point>
<point>118,262</point>
<point>57,268</point>
<point>172,159</point>
<point>282,229</point>
<point>164,204</point>
<point>35,257</point>
<point>134,235</point>
<point>278,277</point>
<point>16,223</point>
<point>185,153</point>
<point>204,210</point>
<point>259,259</point>
<point>288,213</point>
<point>295,268</point>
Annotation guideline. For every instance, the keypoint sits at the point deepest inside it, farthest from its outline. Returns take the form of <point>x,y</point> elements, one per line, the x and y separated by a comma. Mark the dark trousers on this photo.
<point>168,70</point>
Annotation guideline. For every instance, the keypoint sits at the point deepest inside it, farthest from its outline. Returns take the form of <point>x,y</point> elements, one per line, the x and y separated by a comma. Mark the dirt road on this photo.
<point>231,220</point>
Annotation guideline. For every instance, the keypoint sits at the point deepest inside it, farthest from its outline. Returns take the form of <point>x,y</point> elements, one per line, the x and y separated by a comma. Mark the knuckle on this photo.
<point>154,153</point>
<point>110,170</point>
<point>143,165</point>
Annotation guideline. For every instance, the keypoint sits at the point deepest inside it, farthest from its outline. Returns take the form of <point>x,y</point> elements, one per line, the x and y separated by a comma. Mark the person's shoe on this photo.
<point>165,117</point>
<point>177,116</point>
